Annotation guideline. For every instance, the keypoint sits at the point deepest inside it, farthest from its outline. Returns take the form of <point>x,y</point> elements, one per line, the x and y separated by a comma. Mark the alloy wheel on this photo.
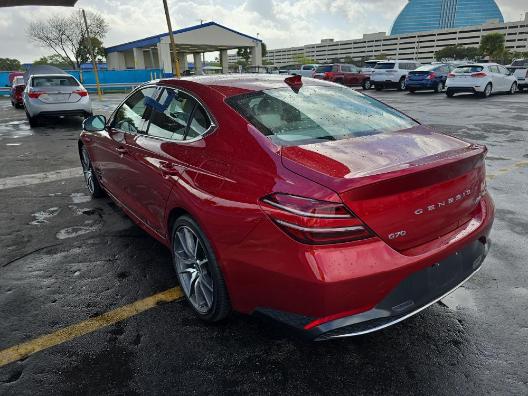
<point>513,88</point>
<point>192,265</point>
<point>487,90</point>
<point>87,170</point>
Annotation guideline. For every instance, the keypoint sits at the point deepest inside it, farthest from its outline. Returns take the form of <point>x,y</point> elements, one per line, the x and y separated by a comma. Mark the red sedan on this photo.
<point>299,200</point>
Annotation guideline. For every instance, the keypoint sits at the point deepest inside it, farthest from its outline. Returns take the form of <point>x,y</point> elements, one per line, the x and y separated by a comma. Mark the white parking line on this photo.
<point>37,178</point>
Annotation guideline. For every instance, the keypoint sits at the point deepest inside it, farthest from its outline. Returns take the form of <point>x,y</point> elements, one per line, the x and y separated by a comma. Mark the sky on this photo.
<point>279,23</point>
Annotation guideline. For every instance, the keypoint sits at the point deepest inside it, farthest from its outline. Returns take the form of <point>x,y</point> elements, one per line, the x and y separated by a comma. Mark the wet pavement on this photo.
<point>66,258</point>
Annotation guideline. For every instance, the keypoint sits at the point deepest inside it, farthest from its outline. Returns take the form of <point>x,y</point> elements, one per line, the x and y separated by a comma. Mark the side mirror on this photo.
<point>95,123</point>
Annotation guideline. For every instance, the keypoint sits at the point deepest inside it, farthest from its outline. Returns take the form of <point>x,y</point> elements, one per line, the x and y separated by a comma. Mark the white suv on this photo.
<point>482,79</point>
<point>392,74</point>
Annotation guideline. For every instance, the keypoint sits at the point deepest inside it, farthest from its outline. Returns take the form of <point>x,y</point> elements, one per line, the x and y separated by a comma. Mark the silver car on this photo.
<point>55,95</point>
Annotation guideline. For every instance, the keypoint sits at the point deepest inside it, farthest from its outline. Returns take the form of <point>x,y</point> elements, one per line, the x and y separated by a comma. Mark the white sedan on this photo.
<point>482,79</point>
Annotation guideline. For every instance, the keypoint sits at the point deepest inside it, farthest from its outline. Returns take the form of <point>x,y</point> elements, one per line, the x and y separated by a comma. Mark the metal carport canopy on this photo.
<point>14,3</point>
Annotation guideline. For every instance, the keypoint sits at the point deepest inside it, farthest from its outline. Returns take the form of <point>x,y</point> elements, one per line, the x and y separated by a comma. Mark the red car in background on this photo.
<point>17,90</point>
<point>349,75</point>
<point>299,200</point>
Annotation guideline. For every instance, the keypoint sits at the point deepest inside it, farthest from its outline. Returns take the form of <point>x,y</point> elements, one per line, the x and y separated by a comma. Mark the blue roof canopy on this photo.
<point>153,40</point>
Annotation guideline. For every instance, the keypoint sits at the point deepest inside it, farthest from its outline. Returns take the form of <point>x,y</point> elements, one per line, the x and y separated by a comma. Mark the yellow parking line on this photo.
<point>503,171</point>
<point>25,349</point>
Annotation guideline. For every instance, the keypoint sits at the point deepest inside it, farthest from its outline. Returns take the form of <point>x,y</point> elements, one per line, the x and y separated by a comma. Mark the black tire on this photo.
<point>521,89</point>
<point>487,91</point>
<point>513,89</point>
<point>366,85</point>
<point>401,84</point>
<point>13,104</point>
<point>439,87</point>
<point>220,305</point>
<point>378,87</point>
<point>450,93</point>
<point>90,177</point>
<point>33,121</point>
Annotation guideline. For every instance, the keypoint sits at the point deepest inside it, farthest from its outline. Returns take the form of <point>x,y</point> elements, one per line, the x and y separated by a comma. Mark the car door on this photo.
<point>112,161</point>
<point>354,78</point>
<point>506,77</point>
<point>497,80</point>
<point>161,154</point>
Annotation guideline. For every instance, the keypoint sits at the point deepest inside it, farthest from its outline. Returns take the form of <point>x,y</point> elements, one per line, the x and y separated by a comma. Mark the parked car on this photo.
<point>17,90</point>
<point>261,70</point>
<point>519,68</point>
<point>296,199</point>
<point>304,70</point>
<point>369,66</point>
<point>48,95</point>
<point>481,79</point>
<point>349,75</point>
<point>285,69</point>
<point>428,77</point>
<point>392,74</point>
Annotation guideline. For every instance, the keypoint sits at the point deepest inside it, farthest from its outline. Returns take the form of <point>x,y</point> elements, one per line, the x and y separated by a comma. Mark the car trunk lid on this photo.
<point>409,187</point>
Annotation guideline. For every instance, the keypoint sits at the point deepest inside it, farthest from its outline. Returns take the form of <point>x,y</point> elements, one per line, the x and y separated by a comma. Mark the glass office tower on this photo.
<point>424,15</point>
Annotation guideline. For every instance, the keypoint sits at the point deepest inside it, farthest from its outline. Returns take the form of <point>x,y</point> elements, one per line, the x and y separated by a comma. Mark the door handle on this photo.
<point>168,169</point>
<point>121,150</point>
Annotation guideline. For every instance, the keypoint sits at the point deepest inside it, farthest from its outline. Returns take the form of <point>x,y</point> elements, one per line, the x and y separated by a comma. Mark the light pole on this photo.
<point>176,64</point>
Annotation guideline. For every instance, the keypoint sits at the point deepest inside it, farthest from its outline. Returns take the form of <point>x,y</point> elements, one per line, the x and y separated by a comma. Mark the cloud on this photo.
<point>280,23</point>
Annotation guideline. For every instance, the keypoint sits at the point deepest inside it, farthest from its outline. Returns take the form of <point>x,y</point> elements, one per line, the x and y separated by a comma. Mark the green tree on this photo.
<point>458,52</point>
<point>245,54</point>
<point>9,64</point>
<point>83,52</point>
<point>53,60</point>
<point>302,60</point>
<point>264,49</point>
<point>492,45</point>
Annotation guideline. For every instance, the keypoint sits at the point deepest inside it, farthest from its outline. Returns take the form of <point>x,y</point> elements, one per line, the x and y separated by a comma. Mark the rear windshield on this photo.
<point>468,69</point>
<point>324,69</point>
<point>18,80</point>
<point>385,66</point>
<point>427,67</point>
<point>54,81</point>
<point>370,65</point>
<point>317,114</point>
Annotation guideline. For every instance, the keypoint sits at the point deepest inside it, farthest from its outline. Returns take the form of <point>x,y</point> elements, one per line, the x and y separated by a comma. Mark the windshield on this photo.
<point>54,81</point>
<point>316,114</point>
<point>520,62</point>
<point>384,66</point>
<point>324,69</point>
<point>468,69</point>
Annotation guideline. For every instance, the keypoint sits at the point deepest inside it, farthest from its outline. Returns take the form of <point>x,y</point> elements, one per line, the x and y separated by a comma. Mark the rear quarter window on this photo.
<point>385,66</point>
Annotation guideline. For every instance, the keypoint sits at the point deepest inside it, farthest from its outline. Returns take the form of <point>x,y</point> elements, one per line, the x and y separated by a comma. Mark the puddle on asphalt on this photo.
<point>72,232</point>
<point>15,129</point>
<point>460,299</point>
<point>42,216</point>
<point>80,198</point>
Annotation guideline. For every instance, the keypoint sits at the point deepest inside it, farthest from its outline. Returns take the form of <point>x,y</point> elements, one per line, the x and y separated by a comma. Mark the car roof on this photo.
<point>52,75</point>
<point>236,84</point>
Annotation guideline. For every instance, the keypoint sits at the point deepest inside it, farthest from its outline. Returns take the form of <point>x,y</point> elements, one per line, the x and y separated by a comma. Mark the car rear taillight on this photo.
<point>34,94</point>
<point>312,221</point>
<point>81,92</point>
<point>451,75</point>
<point>431,76</point>
<point>479,75</point>
<point>328,75</point>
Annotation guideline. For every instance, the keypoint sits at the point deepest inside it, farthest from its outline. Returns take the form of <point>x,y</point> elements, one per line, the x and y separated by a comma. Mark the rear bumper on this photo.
<point>412,295</point>
<point>36,108</point>
<point>418,85</point>
<point>462,89</point>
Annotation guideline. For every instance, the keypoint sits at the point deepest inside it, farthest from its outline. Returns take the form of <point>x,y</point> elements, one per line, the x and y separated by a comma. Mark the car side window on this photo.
<point>503,70</point>
<point>169,119</point>
<point>129,117</point>
<point>345,69</point>
<point>200,123</point>
<point>335,68</point>
<point>494,69</point>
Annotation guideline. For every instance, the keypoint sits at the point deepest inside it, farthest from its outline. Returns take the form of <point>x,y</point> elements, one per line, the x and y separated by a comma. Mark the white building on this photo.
<point>154,52</point>
<point>417,46</point>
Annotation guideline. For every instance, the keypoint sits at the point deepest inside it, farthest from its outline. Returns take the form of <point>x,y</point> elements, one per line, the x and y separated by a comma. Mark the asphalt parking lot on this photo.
<point>88,301</point>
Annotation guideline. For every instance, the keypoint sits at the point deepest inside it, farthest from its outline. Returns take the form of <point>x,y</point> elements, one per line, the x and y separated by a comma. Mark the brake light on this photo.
<point>312,221</point>
<point>479,75</point>
<point>34,94</point>
<point>81,92</point>
<point>451,75</point>
<point>328,75</point>
<point>431,76</point>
